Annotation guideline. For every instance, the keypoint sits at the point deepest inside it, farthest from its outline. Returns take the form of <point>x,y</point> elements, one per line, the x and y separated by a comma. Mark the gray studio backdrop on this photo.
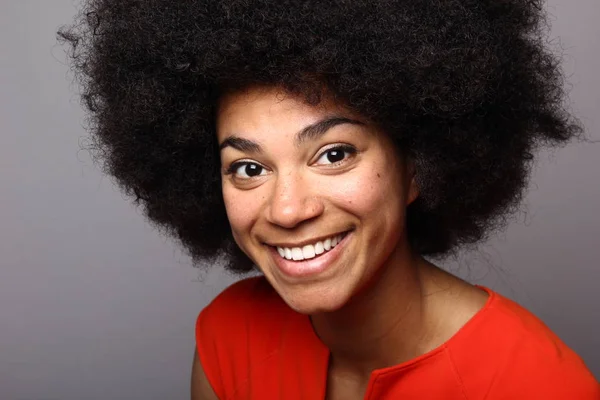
<point>95,304</point>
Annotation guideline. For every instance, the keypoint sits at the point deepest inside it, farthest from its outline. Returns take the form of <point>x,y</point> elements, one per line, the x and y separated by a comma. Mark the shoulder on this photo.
<point>508,352</point>
<point>246,304</point>
<point>243,323</point>
<point>248,300</point>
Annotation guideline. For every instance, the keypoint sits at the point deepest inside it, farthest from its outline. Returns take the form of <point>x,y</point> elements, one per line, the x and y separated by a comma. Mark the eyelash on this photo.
<point>236,165</point>
<point>346,148</point>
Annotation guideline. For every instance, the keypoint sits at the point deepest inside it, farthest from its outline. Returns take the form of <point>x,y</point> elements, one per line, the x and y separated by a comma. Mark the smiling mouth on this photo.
<point>312,250</point>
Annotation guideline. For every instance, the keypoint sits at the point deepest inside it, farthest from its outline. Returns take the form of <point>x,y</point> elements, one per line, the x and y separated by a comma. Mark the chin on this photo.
<point>313,299</point>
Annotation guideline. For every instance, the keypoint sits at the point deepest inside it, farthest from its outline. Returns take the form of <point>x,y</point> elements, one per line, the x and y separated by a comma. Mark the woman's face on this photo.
<point>299,178</point>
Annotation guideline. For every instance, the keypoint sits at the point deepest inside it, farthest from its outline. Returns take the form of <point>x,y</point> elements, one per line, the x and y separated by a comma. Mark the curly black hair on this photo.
<point>466,88</point>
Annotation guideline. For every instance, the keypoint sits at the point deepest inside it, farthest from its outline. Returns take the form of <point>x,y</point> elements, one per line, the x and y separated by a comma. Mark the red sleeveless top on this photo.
<point>253,346</point>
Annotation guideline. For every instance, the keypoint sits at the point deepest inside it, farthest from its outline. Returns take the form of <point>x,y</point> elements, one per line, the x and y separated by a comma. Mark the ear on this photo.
<point>412,186</point>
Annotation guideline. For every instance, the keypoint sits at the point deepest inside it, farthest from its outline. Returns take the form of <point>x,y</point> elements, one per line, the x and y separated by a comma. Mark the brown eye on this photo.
<point>335,155</point>
<point>246,170</point>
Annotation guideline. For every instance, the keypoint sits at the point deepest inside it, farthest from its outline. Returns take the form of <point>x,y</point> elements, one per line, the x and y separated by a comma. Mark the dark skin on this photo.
<point>452,300</point>
<point>201,389</point>
<point>466,88</point>
<point>440,305</point>
<point>378,305</point>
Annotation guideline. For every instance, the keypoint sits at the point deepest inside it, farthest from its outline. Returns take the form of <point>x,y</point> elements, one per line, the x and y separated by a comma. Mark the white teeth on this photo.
<point>297,254</point>
<point>319,249</point>
<point>310,250</point>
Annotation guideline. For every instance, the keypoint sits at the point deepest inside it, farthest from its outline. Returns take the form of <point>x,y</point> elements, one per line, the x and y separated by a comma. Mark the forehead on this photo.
<point>269,110</point>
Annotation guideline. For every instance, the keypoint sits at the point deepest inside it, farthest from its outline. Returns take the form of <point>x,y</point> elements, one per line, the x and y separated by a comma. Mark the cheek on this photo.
<point>369,191</point>
<point>242,208</point>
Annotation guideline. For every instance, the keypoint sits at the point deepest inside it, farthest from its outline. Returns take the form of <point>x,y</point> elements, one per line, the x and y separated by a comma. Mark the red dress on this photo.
<point>253,346</point>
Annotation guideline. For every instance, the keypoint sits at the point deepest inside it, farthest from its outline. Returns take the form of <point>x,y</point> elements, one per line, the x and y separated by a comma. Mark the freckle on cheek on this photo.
<point>379,176</point>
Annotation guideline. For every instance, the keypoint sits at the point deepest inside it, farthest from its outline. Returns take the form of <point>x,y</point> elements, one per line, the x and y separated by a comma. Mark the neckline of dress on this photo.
<point>322,353</point>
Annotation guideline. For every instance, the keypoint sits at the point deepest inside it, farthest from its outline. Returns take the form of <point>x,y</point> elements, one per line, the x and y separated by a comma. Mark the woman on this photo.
<point>333,146</point>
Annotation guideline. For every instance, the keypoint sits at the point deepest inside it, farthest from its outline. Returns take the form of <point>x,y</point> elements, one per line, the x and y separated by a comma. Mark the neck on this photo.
<point>384,324</point>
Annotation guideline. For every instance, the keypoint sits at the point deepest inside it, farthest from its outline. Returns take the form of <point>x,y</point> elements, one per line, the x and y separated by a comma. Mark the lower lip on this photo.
<point>310,267</point>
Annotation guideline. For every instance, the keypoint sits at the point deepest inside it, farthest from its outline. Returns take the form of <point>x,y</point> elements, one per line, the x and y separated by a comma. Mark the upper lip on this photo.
<point>303,243</point>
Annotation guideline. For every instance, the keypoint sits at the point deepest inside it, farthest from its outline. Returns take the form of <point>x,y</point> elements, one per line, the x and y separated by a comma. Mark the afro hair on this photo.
<point>466,88</point>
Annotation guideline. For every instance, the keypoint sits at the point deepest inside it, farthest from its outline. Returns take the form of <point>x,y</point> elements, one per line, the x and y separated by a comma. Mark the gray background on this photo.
<point>95,304</point>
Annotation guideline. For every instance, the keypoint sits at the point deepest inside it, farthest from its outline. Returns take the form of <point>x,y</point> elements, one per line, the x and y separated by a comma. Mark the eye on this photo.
<point>336,154</point>
<point>246,170</point>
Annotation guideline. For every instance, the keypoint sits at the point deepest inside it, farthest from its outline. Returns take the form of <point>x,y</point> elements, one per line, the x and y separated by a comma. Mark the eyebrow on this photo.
<point>310,132</point>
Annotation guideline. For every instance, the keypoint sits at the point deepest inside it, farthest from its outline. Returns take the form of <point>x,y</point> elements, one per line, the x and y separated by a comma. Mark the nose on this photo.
<point>293,201</point>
